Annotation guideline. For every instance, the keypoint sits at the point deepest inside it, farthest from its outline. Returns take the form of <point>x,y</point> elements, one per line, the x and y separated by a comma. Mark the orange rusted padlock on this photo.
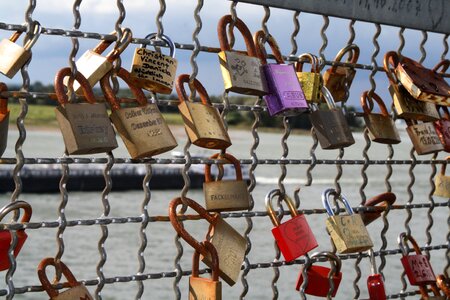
<point>381,200</point>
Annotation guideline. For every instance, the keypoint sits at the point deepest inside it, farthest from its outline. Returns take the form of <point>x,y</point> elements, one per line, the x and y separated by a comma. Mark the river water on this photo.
<point>81,252</point>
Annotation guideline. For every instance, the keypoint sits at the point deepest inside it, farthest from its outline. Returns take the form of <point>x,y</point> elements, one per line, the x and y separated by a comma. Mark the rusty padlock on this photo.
<point>229,243</point>
<point>225,195</point>
<point>338,79</point>
<point>318,276</point>
<point>375,284</point>
<point>13,56</point>
<point>381,200</point>
<point>443,284</point>
<point>241,72</point>
<point>330,125</point>
<point>153,70</point>
<point>381,126</point>
<point>347,231</point>
<point>406,107</point>
<point>284,93</point>
<point>143,128</point>
<point>4,119</point>
<point>77,290</point>
<point>85,127</point>
<point>5,235</point>
<point>205,288</point>
<point>294,237</point>
<point>201,120</point>
<point>442,127</point>
<point>311,82</point>
<point>424,137</point>
<point>442,182</point>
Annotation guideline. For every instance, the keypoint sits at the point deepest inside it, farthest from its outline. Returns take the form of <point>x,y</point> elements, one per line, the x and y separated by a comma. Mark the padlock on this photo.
<point>442,127</point>
<point>226,195</point>
<point>330,125</point>
<point>143,128</point>
<point>152,70</point>
<point>241,72</point>
<point>77,290</point>
<point>442,182</point>
<point>318,276</point>
<point>406,107</point>
<point>294,237</point>
<point>201,120</point>
<point>229,243</point>
<point>443,284</point>
<point>94,66</point>
<point>285,95</point>
<point>338,79</point>
<point>375,284</point>
<point>424,137</point>
<point>4,119</point>
<point>13,56</point>
<point>203,288</point>
<point>381,126</point>
<point>348,232</point>
<point>380,201</point>
<point>5,235</point>
<point>311,82</point>
<point>85,127</point>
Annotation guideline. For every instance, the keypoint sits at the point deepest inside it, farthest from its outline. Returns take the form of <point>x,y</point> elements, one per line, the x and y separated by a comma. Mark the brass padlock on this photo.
<point>4,119</point>
<point>381,126</point>
<point>152,70</point>
<point>241,72</point>
<point>338,79</point>
<point>424,137</point>
<point>348,232</point>
<point>225,195</point>
<point>85,127</point>
<point>13,56</point>
<point>442,183</point>
<point>330,125</point>
<point>143,128</point>
<point>203,288</point>
<point>201,120</point>
<point>77,290</point>
<point>311,82</point>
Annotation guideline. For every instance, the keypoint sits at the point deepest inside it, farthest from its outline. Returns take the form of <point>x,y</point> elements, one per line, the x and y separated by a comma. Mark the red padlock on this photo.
<point>381,200</point>
<point>442,127</point>
<point>317,276</point>
<point>5,235</point>
<point>375,284</point>
<point>294,237</point>
<point>417,266</point>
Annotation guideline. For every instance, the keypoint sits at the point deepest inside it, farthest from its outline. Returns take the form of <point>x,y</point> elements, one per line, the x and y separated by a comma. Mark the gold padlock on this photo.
<point>442,182</point>
<point>152,70</point>
<point>142,129</point>
<point>381,126</point>
<point>225,195</point>
<point>241,72</point>
<point>311,82</point>
<point>13,56</point>
<point>77,290</point>
<point>338,79</point>
<point>348,232</point>
<point>424,137</point>
<point>4,119</point>
<point>201,120</point>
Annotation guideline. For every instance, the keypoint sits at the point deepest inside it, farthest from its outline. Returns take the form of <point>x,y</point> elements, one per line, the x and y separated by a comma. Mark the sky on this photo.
<point>51,52</point>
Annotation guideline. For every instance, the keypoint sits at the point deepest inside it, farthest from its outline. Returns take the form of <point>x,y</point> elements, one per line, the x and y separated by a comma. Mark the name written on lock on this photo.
<point>427,136</point>
<point>145,124</point>
<point>353,232</point>
<point>154,66</point>
<point>225,197</point>
<point>239,68</point>
<point>421,267</point>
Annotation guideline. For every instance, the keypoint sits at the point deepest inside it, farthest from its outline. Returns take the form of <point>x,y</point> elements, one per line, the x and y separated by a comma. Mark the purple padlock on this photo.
<point>285,95</point>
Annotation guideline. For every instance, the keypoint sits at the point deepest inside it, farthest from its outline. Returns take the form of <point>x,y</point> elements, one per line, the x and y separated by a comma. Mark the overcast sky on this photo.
<point>51,52</point>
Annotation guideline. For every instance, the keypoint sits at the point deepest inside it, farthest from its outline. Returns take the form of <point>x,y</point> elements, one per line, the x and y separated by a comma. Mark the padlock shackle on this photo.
<point>269,206</point>
<point>227,157</point>
<point>388,198</point>
<point>214,261</point>
<point>84,83</point>
<point>443,64</point>
<point>261,52</point>
<point>326,202</point>
<point>182,95</point>
<point>35,33</point>
<point>444,284</point>
<point>391,59</point>
<point>310,58</point>
<point>328,97</point>
<point>368,104</point>
<point>163,37</point>
<point>330,256</point>
<point>110,96</point>
<point>373,265</point>
<point>243,29</point>
<point>120,46</point>
<point>3,100</point>
<point>46,285</point>
<point>15,205</point>
<point>353,55</point>
<point>403,239</point>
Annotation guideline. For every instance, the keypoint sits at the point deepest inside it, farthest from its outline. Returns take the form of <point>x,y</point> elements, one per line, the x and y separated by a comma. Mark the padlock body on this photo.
<point>5,242</point>
<point>442,185</point>
<point>318,283</point>
<point>424,138</point>
<point>294,237</point>
<point>382,129</point>
<point>86,128</point>
<point>285,96</point>
<point>4,124</point>
<point>226,195</point>
<point>311,83</point>
<point>12,57</point>
<point>242,74</point>
<point>78,292</point>
<point>204,288</point>
<point>443,131</point>
<point>337,81</point>
<point>375,286</point>
<point>153,71</point>
<point>418,269</point>
<point>349,233</point>
<point>204,125</point>
<point>143,130</point>
<point>331,128</point>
